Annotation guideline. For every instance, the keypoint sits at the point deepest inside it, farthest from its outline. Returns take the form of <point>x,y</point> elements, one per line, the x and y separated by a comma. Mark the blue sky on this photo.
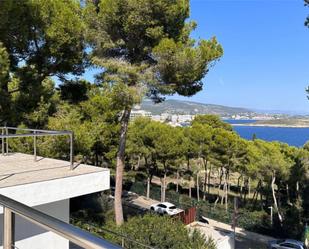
<point>266,53</point>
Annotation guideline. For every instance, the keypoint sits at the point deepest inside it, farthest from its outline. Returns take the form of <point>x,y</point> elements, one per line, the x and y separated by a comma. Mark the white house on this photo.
<point>47,185</point>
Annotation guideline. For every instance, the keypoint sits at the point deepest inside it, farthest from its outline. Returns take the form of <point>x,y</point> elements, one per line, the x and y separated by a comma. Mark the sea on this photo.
<point>292,136</point>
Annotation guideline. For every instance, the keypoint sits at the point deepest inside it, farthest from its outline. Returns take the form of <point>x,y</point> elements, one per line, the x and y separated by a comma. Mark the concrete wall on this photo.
<point>226,243</point>
<point>30,236</point>
<point>39,193</point>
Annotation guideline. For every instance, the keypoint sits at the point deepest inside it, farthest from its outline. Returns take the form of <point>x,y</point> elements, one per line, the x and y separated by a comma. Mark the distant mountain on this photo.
<point>187,107</point>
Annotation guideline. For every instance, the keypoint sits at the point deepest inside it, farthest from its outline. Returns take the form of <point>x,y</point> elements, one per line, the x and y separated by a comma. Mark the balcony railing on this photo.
<point>6,135</point>
<point>77,236</point>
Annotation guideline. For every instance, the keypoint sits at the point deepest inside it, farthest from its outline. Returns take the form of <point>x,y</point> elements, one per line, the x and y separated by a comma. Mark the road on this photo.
<point>242,243</point>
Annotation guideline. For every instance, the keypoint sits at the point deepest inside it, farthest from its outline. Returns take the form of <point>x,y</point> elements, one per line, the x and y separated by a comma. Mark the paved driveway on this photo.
<point>242,243</point>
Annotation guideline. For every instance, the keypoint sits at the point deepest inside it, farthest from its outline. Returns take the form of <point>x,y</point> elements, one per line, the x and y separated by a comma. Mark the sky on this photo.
<point>265,65</point>
<point>266,53</point>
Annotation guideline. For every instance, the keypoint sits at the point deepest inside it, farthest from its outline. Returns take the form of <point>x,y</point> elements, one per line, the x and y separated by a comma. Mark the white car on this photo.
<point>165,208</point>
<point>286,244</point>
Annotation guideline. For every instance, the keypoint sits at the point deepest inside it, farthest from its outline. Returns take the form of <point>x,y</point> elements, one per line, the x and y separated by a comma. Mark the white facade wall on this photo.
<point>51,197</point>
<point>226,243</point>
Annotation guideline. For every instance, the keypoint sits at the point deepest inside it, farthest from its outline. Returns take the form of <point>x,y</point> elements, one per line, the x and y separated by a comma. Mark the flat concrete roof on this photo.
<point>19,169</point>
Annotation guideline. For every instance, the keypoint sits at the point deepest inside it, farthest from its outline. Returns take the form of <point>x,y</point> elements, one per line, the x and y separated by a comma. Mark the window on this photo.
<point>172,207</point>
<point>289,245</point>
<point>161,206</point>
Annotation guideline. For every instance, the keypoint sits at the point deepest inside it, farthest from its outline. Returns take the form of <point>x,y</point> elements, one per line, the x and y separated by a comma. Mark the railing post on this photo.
<point>71,151</point>
<point>34,146</point>
<point>8,228</point>
<point>7,142</point>
<point>2,141</point>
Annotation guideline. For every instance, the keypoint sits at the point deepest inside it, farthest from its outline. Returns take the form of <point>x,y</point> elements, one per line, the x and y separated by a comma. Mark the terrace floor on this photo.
<point>19,169</point>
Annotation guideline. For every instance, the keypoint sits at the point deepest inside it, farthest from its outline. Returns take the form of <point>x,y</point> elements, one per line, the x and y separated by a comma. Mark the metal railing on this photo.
<point>76,235</point>
<point>6,135</point>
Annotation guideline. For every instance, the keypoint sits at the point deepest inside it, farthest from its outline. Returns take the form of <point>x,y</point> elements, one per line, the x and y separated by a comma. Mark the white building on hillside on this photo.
<point>139,113</point>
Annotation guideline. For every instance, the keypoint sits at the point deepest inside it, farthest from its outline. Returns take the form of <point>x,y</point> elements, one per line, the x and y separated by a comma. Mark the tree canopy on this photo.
<point>42,39</point>
<point>162,232</point>
<point>144,49</point>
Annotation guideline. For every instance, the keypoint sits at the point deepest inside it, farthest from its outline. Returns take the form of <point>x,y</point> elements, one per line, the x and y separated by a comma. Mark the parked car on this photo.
<point>286,244</point>
<point>165,208</point>
<point>125,194</point>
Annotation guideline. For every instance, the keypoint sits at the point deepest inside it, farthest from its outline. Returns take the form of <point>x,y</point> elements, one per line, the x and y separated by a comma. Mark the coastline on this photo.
<point>272,125</point>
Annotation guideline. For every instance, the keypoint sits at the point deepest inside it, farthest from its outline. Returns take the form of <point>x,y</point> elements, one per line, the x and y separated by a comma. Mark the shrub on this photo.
<point>159,232</point>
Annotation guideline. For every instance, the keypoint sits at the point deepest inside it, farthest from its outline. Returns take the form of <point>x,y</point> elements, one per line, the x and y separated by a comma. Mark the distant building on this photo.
<point>139,113</point>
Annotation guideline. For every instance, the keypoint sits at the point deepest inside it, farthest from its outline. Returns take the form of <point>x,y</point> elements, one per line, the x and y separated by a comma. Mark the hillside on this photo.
<point>287,122</point>
<point>188,107</point>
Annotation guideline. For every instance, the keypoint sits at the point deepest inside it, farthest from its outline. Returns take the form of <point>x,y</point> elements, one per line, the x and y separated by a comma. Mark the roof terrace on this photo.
<point>24,175</point>
<point>37,190</point>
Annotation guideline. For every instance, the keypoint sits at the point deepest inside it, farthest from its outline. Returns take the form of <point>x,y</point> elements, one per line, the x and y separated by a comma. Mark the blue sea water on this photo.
<point>292,136</point>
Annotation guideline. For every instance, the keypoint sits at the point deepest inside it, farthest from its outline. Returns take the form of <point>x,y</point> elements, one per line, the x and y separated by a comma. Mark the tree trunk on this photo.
<point>274,197</point>
<point>164,186</point>
<point>120,166</point>
<point>219,186</point>
<point>261,195</point>
<point>96,159</point>
<point>224,186</point>
<point>228,184</point>
<point>241,187</point>
<point>218,195</point>
<point>297,189</point>
<point>190,192</point>
<point>205,180</point>
<point>249,187</point>
<point>197,187</point>
<point>227,188</point>
<point>138,162</point>
<point>256,193</point>
<point>226,197</point>
<point>209,177</point>
<point>238,185</point>
<point>221,175</point>
<point>148,187</point>
<point>288,195</point>
<point>177,181</point>
<point>246,187</point>
<point>162,191</point>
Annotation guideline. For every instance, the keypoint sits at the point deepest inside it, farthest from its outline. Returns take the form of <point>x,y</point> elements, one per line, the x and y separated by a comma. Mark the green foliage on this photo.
<point>140,140</point>
<point>4,79</point>
<point>259,160</point>
<point>74,91</point>
<point>270,159</point>
<point>160,232</point>
<point>163,60</point>
<point>43,38</point>
<point>95,125</point>
<point>47,35</point>
<point>213,121</point>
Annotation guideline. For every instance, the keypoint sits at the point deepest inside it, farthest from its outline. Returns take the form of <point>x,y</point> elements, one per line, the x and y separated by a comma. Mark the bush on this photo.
<point>159,232</point>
